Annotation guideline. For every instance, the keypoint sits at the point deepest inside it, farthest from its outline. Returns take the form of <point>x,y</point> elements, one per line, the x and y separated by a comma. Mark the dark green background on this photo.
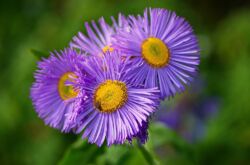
<point>223,28</point>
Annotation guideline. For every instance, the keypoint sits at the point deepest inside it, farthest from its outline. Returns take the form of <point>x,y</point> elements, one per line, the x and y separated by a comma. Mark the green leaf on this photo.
<point>147,155</point>
<point>126,154</point>
<point>39,54</point>
<point>81,152</point>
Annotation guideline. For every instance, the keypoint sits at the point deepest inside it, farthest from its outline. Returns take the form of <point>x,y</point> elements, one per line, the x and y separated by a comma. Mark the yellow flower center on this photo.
<point>155,52</point>
<point>110,96</point>
<point>67,91</point>
<point>107,48</point>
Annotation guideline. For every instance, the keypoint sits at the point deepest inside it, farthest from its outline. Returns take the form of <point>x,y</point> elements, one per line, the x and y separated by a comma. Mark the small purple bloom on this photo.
<point>115,110</point>
<point>98,40</point>
<point>52,93</point>
<point>163,47</point>
<point>189,116</point>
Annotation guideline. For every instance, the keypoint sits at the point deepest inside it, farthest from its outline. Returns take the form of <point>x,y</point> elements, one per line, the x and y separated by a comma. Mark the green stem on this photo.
<point>147,155</point>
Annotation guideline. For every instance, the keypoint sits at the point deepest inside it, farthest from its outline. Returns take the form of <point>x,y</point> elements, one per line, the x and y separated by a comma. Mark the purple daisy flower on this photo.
<point>164,48</point>
<point>116,109</point>
<point>98,40</point>
<point>52,93</point>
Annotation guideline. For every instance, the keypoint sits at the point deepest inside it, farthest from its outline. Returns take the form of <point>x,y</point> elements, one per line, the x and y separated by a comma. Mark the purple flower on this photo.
<point>115,109</point>
<point>98,40</point>
<point>164,49</point>
<point>52,93</point>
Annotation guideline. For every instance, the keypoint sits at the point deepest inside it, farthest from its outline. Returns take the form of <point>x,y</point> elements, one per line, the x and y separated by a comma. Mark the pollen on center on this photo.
<point>107,48</point>
<point>155,52</point>
<point>110,96</point>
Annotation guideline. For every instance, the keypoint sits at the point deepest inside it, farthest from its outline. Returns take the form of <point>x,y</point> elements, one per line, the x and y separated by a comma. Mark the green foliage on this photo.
<point>82,153</point>
<point>39,54</point>
<point>233,39</point>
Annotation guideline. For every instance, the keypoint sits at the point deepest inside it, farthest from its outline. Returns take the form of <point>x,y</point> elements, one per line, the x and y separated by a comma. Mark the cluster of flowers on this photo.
<point>109,82</point>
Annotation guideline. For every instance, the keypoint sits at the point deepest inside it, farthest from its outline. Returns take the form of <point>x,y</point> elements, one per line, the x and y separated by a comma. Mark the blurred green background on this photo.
<point>208,124</point>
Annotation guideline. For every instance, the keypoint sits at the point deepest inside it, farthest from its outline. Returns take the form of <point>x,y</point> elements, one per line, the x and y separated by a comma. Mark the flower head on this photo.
<point>164,49</point>
<point>98,39</point>
<point>53,93</point>
<point>115,109</point>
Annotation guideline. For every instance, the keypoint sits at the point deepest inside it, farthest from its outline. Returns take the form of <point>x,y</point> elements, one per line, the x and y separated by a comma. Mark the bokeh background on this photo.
<point>208,124</point>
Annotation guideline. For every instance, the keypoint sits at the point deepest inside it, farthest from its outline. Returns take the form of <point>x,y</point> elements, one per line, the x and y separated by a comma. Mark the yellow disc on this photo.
<point>110,96</point>
<point>67,91</point>
<point>155,52</point>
